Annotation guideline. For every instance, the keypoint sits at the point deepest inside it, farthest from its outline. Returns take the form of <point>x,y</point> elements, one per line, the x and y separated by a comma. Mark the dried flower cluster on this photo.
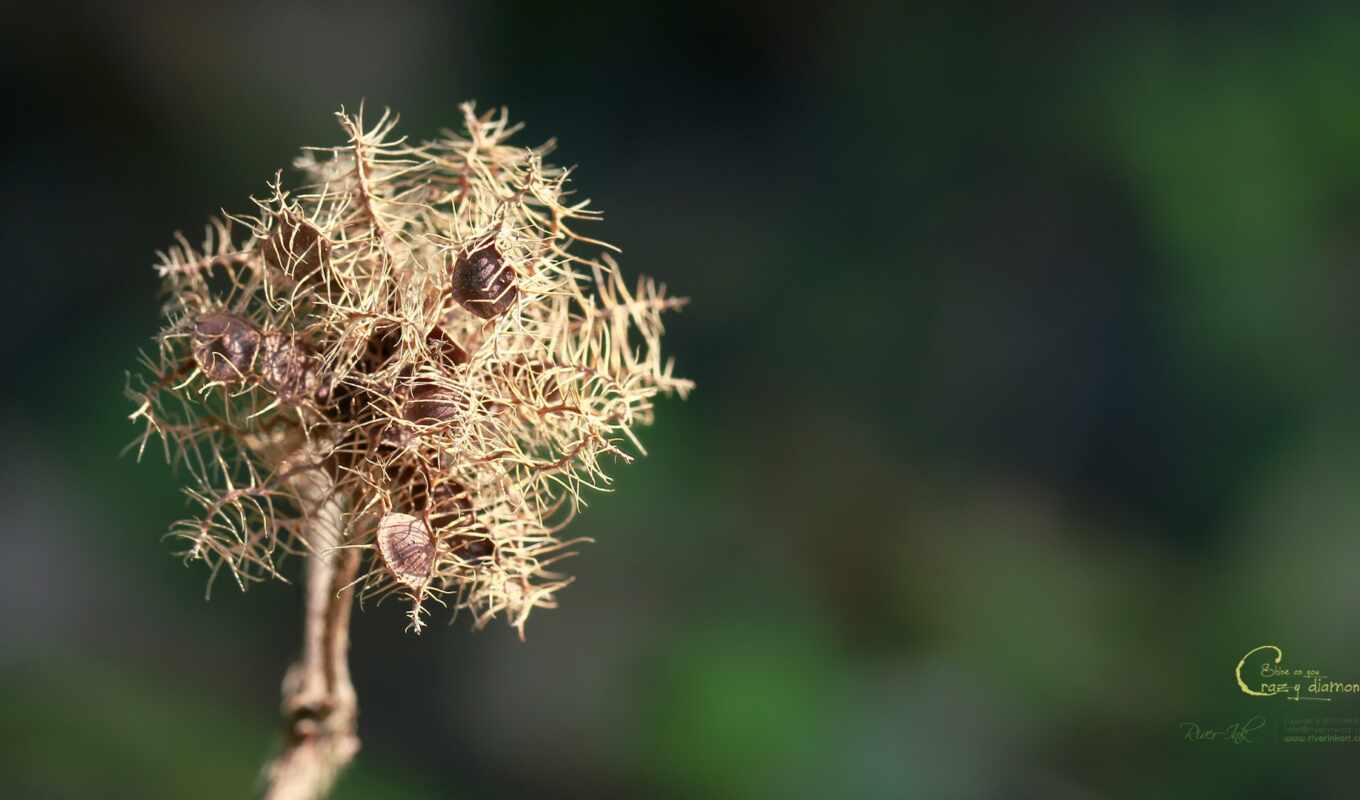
<point>409,335</point>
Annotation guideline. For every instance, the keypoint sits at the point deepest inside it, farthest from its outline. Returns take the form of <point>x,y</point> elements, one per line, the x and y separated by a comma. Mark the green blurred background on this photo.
<point>1026,400</point>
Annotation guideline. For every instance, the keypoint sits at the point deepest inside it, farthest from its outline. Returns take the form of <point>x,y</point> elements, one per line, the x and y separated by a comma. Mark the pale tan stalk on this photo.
<point>320,708</point>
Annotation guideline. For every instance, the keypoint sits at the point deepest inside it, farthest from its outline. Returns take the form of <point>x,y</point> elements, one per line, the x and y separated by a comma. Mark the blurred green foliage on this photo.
<point>1025,403</point>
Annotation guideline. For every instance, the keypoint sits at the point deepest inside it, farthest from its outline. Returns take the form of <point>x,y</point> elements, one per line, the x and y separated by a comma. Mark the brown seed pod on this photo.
<point>430,405</point>
<point>224,346</point>
<point>288,370</point>
<point>451,504</point>
<point>471,547</point>
<point>483,283</point>
<point>406,485</point>
<point>449,501</point>
<point>446,349</point>
<point>406,548</point>
<point>295,247</point>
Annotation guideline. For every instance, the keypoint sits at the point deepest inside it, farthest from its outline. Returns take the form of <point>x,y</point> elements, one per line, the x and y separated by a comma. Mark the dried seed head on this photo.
<point>288,370</point>
<point>406,548</point>
<point>224,346</point>
<point>483,283</point>
<point>487,434</point>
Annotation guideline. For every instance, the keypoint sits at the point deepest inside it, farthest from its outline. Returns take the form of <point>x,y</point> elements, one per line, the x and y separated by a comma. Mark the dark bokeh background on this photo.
<point>1025,350</point>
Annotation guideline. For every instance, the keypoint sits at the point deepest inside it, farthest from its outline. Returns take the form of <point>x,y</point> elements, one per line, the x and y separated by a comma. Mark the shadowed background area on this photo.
<point>1026,401</point>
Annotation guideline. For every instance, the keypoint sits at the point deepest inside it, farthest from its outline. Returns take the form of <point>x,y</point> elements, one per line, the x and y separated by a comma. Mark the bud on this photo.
<point>406,548</point>
<point>224,346</point>
<point>482,283</point>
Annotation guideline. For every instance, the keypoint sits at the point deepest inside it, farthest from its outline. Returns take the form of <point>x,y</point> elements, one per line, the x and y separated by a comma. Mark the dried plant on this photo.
<point>403,372</point>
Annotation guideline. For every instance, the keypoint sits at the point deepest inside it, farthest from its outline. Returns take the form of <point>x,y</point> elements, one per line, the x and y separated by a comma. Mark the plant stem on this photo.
<point>320,708</point>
